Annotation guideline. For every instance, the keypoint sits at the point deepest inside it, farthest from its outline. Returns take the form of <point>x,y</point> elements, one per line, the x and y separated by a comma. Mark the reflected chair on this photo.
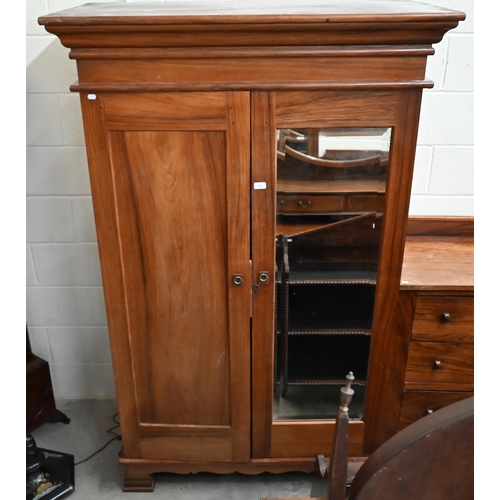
<point>432,458</point>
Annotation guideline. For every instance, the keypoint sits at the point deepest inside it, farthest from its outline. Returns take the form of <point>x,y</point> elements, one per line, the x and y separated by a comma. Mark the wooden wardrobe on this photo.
<point>228,145</point>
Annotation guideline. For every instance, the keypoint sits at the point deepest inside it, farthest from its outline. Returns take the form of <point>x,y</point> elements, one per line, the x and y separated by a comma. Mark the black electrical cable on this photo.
<point>109,431</point>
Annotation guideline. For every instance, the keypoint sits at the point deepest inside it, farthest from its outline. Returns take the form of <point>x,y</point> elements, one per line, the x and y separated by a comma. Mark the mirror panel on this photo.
<point>330,203</point>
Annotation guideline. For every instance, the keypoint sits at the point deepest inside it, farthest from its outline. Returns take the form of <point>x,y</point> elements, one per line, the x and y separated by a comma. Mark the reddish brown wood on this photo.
<point>433,458</point>
<point>412,362</point>
<point>265,23</point>
<point>158,207</point>
<point>389,274</point>
<point>337,467</point>
<point>440,226</point>
<point>137,482</point>
<point>142,469</point>
<point>111,268</point>
<point>439,363</point>
<point>308,438</point>
<point>447,319</point>
<point>263,257</point>
<point>274,71</point>
<point>339,109</point>
<point>431,263</point>
<point>403,321</point>
<point>294,11</point>
<point>419,404</point>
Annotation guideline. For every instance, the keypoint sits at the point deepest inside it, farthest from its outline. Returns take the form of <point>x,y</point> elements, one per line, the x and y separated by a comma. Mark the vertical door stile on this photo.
<point>382,390</point>
<point>238,250</point>
<point>109,245</point>
<point>263,258</point>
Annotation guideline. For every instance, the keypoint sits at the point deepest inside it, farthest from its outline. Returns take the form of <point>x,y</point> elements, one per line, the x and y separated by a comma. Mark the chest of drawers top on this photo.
<point>440,260</point>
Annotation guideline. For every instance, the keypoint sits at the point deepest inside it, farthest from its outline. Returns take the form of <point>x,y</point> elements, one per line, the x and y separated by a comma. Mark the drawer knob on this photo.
<point>304,204</point>
<point>438,365</point>
<point>429,412</point>
<point>446,317</point>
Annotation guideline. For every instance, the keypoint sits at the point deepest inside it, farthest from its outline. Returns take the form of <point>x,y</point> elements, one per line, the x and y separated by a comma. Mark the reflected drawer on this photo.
<point>366,202</point>
<point>310,203</point>
<point>440,363</point>
<point>418,404</point>
<point>330,203</point>
<point>445,319</point>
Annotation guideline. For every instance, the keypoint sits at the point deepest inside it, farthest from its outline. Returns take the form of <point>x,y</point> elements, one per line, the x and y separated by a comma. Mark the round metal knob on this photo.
<point>438,365</point>
<point>429,412</point>
<point>238,279</point>
<point>446,317</point>
<point>263,277</point>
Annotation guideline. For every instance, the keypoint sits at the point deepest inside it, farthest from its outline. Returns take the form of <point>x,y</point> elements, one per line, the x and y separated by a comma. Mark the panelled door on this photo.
<point>170,174</point>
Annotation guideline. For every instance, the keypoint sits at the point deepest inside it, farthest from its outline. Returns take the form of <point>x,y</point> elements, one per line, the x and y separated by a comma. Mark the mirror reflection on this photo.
<point>330,202</point>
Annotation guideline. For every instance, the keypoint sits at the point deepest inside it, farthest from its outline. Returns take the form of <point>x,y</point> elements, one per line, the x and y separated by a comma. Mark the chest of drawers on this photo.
<point>440,362</point>
<point>433,361</point>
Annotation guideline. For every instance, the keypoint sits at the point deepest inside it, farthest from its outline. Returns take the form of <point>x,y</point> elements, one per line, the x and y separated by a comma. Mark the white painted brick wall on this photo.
<point>444,170</point>
<point>65,306</point>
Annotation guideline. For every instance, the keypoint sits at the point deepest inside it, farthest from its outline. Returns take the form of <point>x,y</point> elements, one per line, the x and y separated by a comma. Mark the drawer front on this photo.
<point>444,319</point>
<point>440,363</point>
<point>418,404</point>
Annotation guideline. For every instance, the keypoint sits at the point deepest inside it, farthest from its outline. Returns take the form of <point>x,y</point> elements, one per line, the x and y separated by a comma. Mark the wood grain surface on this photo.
<point>179,212</point>
<point>259,11</point>
<point>445,319</point>
<point>433,262</point>
<point>456,363</point>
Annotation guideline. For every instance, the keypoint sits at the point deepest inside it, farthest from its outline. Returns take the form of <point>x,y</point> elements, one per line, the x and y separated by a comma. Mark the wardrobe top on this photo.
<point>254,12</point>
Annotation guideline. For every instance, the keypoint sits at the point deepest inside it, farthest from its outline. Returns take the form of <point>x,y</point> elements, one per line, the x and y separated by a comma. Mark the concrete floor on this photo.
<point>101,478</point>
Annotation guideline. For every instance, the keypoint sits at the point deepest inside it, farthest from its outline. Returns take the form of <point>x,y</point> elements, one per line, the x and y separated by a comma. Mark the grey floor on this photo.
<point>102,478</point>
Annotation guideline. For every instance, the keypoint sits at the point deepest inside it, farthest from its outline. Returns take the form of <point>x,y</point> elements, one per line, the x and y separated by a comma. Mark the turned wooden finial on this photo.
<point>346,393</point>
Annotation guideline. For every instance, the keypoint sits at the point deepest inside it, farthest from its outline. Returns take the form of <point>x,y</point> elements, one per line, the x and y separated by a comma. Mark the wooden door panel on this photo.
<point>182,241</point>
<point>336,109</point>
<point>167,111</point>
<point>180,192</point>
